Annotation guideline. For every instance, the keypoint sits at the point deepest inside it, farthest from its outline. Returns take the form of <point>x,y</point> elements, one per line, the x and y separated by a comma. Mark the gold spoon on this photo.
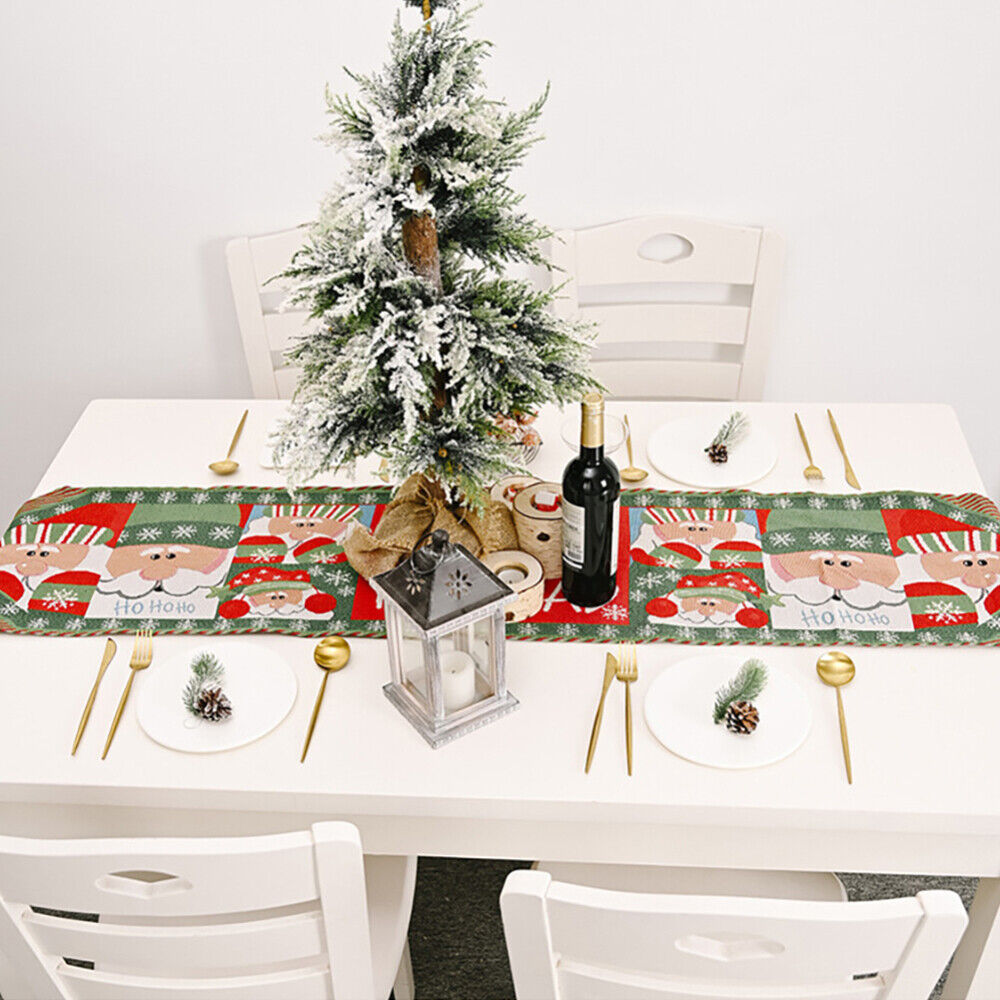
<point>630,473</point>
<point>330,654</point>
<point>227,466</point>
<point>837,669</point>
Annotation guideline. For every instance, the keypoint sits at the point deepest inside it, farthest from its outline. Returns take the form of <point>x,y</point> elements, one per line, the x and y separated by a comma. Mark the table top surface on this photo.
<point>925,751</point>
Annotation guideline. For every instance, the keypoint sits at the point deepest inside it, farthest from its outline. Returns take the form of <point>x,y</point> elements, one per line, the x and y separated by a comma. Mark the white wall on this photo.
<point>139,137</point>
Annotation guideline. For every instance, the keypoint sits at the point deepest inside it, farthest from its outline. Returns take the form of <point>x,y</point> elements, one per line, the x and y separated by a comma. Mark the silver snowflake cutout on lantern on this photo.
<point>413,581</point>
<point>458,583</point>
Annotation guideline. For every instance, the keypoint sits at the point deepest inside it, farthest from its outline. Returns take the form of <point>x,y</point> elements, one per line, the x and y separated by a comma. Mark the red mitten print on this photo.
<point>661,607</point>
<point>11,586</point>
<point>320,604</point>
<point>751,618</point>
<point>991,604</point>
<point>234,609</point>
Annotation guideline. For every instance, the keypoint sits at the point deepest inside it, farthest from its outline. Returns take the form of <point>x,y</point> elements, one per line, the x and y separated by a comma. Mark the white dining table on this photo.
<point>923,722</point>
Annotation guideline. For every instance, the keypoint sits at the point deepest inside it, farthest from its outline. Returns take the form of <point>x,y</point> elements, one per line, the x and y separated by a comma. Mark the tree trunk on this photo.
<point>420,241</point>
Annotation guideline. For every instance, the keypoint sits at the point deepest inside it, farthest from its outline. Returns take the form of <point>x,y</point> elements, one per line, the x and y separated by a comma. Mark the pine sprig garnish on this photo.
<point>206,671</point>
<point>745,686</point>
<point>734,429</point>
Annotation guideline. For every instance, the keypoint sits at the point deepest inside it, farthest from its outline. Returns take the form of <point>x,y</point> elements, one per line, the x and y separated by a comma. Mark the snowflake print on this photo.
<point>943,612</point>
<point>325,557</point>
<point>259,555</point>
<point>764,632</point>
<point>924,503</point>
<point>233,496</point>
<point>606,631</point>
<point>929,638</point>
<point>993,622</point>
<point>186,625</point>
<point>111,625</point>
<point>150,624</point>
<point>804,635</point>
<point>726,633</point>
<point>730,560</point>
<point>782,538</point>
<point>817,503</point>
<point>821,538</point>
<point>566,630</point>
<point>648,632</point>
<point>528,630</point>
<point>670,576</point>
<point>856,541</point>
<point>9,609</point>
<point>886,638</point>
<point>224,625</point>
<point>266,498</point>
<point>37,623</point>
<point>846,635</point>
<point>368,498</point>
<point>670,561</point>
<point>148,534</point>
<point>713,502</point>
<point>102,496</point>
<point>992,527</point>
<point>59,600</point>
<point>967,637</point>
<point>852,503</point>
<point>63,508</point>
<point>75,624</point>
<point>202,496</point>
<point>166,496</point>
<point>184,531</point>
<point>641,588</point>
<point>782,502</point>
<point>135,496</point>
<point>748,500</point>
<point>889,500</point>
<point>615,613</point>
<point>644,500</point>
<point>884,544</point>
<point>675,501</point>
<point>220,533</point>
<point>685,632</point>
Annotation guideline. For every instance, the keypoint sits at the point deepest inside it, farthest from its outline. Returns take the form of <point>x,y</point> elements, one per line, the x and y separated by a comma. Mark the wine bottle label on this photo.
<point>614,539</point>
<point>573,533</point>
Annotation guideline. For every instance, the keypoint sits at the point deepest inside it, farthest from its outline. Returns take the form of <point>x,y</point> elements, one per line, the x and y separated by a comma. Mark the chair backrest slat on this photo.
<point>638,258</point>
<point>573,942</point>
<point>677,379</point>
<point>253,263</point>
<point>268,917</point>
<point>307,984</point>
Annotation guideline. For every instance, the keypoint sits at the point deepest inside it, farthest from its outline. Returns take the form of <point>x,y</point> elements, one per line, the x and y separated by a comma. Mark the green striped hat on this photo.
<point>57,534</point>
<point>834,530</point>
<point>213,525</point>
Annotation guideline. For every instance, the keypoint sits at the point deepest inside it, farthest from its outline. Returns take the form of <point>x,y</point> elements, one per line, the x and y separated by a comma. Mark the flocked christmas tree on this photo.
<point>422,342</point>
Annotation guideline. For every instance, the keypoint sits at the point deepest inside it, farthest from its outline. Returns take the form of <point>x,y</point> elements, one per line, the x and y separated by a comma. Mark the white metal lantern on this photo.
<point>444,613</point>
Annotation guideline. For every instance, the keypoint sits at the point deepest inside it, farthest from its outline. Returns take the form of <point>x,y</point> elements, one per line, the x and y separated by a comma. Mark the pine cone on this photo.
<point>742,717</point>
<point>717,453</point>
<point>214,705</point>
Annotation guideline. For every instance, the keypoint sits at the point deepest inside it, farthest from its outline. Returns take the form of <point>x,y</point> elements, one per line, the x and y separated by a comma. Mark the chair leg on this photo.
<point>403,988</point>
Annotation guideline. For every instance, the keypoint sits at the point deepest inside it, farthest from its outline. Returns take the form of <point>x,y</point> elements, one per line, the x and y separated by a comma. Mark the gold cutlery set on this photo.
<point>626,670</point>
<point>812,471</point>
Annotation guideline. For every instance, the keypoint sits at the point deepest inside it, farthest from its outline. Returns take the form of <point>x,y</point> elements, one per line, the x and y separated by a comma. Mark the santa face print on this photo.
<point>973,570</point>
<point>36,558</point>
<point>698,533</point>
<point>281,602</point>
<point>707,609</point>
<point>301,528</point>
<point>817,572</point>
<point>137,570</point>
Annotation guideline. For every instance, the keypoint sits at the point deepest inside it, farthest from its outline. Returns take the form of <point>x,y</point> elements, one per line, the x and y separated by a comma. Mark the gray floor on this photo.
<point>456,939</point>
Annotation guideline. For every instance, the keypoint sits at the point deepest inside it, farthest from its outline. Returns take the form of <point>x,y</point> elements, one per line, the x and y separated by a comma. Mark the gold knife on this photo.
<point>109,655</point>
<point>610,670</point>
<point>848,471</point>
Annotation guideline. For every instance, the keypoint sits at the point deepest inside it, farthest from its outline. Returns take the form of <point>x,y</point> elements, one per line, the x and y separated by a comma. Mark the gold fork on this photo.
<point>142,656</point>
<point>810,471</point>
<point>628,671</point>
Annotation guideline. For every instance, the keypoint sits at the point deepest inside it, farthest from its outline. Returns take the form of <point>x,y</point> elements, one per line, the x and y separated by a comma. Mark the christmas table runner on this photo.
<point>890,569</point>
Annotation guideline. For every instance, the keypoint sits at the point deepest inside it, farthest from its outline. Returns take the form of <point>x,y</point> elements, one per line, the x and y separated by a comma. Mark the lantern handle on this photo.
<point>424,558</point>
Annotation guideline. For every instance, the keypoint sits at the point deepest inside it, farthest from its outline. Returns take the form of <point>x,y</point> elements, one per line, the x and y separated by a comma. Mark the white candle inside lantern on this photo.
<point>458,679</point>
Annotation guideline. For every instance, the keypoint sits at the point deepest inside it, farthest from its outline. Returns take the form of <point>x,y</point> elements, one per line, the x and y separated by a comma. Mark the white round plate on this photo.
<point>678,710</point>
<point>260,685</point>
<point>677,449</point>
<point>614,432</point>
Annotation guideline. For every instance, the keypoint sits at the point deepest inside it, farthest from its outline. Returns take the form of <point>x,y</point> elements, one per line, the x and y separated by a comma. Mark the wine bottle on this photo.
<point>590,515</point>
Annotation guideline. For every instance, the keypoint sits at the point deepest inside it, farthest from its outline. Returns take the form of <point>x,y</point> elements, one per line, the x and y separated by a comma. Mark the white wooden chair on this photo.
<point>574,942</point>
<point>684,307</point>
<point>296,915</point>
<point>266,332</point>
